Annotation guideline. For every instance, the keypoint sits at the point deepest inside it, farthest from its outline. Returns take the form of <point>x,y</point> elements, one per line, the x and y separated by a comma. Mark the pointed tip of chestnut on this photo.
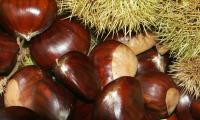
<point>77,72</point>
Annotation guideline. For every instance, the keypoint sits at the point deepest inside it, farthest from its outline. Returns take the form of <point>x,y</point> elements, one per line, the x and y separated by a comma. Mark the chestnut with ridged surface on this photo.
<point>8,52</point>
<point>112,60</point>
<point>120,100</point>
<point>27,18</point>
<point>159,93</point>
<point>30,87</point>
<point>18,113</point>
<point>62,37</point>
<point>77,72</point>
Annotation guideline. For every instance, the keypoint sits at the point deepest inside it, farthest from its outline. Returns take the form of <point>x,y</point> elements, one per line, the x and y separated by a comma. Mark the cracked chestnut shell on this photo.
<point>64,36</point>
<point>30,87</point>
<point>120,100</point>
<point>159,92</point>
<point>112,60</point>
<point>27,18</point>
<point>77,72</point>
<point>8,52</point>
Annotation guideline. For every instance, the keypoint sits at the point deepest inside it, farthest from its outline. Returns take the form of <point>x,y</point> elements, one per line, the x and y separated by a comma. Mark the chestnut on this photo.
<point>32,88</point>
<point>183,111</point>
<point>112,60</point>
<point>151,115</point>
<point>64,36</point>
<point>27,18</point>
<point>8,52</point>
<point>82,111</point>
<point>159,93</point>
<point>172,117</point>
<point>151,60</point>
<point>138,43</point>
<point>120,100</point>
<point>77,72</point>
<point>195,108</point>
<point>18,113</point>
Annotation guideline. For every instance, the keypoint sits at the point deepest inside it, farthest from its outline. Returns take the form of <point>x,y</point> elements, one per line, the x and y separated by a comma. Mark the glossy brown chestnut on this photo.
<point>78,73</point>
<point>159,93</point>
<point>151,60</point>
<point>195,109</point>
<point>183,110</point>
<point>112,60</point>
<point>172,117</point>
<point>27,18</point>
<point>138,43</point>
<point>18,113</point>
<point>153,116</point>
<point>30,87</point>
<point>82,111</point>
<point>62,37</point>
<point>8,52</point>
<point>120,100</point>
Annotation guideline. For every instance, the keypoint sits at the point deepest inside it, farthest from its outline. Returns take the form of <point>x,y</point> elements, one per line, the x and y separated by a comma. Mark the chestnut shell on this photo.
<point>82,111</point>
<point>27,18</point>
<point>8,52</point>
<point>77,72</point>
<point>18,113</point>
<point>30,87</point>
<point>120,100</point>
<point>155,88</point>
<point>151,60</point>
<point>62,37</point>
<point>112,60</point>
<point>195,108</point>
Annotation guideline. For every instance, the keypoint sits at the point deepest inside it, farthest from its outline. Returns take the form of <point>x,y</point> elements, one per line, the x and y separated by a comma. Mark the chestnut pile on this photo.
<point>122,78</point>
